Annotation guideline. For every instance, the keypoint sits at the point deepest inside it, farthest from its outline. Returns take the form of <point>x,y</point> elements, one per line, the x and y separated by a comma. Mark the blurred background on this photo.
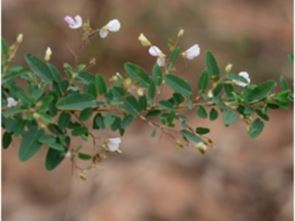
<point>240,179</point>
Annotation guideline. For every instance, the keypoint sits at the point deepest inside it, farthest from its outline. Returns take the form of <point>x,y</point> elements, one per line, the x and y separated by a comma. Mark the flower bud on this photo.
<point>48,54</point>
<point>180,33</point>
<point>144,41</point>
<point>228,68</point>
<point>201,147</point>
<point>20,38</point>
<point>140,91</point>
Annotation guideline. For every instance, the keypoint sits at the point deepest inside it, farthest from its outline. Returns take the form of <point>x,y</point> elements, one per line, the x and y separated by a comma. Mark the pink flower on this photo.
<point>74,23</point>
<point>112,26</point>
<point>192,52</point>
<point>156,52</point>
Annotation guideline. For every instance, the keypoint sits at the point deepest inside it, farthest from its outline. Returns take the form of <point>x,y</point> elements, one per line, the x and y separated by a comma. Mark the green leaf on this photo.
<point>98,122</point>
<point>100,85</point>
<point>40,68</point>
<point>84,156</point>
<point>4,49</point>
<point>53,159</point>
<point>284,83</point>
<point>236,77</point>
<point>85,114</point>
<point>203,81</point>
<point>174,55</point>
<point>157,75</point>
<point>30,145</point>
<point>131,105</point>
<point>6,139</point>
<point>137,74</point>
<point>79,131</point>
<point>229,117</point>
<point>76,102</point>
<point>191,136</point>
<point>212,66</point>
<point>64,120</point>
<point>213,115</point>
<point>202,113</point>
<point>202,130</point>
<point>178,85</point>
<point>256,93</point>
<point>256,128</point>
<point>51,142</point>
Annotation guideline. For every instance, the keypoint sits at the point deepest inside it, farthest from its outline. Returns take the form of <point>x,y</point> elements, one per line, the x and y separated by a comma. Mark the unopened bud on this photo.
<point>20,38</point>
<point>144,41</point>
<point>180,33</point>
<point>201,147</point>
<point>140,91</point>
<point>228,68</point>
<point>116,77</point>
<point>210,94</point>
<point>48,54</point>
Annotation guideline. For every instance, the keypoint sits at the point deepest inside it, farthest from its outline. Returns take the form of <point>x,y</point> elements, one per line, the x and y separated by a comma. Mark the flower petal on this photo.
<point>155,51</point>
<point>192,52</point>
<point>103,33</point>
<point>113,25</point>
<point>245,75</point>
<point>11,102</point>
<point>74,23</point>
<point>161,61</point>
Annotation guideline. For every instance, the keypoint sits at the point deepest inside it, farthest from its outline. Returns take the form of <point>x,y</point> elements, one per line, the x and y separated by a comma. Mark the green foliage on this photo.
<point>51,107</point>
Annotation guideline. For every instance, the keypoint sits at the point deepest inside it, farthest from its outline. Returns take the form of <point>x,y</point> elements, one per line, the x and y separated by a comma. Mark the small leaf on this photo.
<point>131,105</point>
<point>202,130</point>
<point>100,85</point>
<point>137,74</point>
<point>213,115</point>
<point>203,81</point>
<point>64,120</point>
<point>53,159</point>
<point>256,128</point>
<point>157,75</point>
<point>178,85</point>
<point>202,113</point>
<point>284,83</point>
<point>85,114</point>
<point>236,77</point>
<point>6,140</point>
<point>30,145</point>
<point>212,66</point>
<point>229,117</point>
<point>174,55</point>
<point>84,156</point>
<point>259,92</point>
<point>76,102</point>
<point>191,136</point>
<point>40,68</point>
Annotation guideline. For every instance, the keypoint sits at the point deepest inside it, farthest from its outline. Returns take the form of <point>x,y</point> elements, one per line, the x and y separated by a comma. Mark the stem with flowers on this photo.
<point>47,107</point>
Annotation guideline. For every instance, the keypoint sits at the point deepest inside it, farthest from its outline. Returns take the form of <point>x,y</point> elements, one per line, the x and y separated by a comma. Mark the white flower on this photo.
<point>11,102</point>
<point>192,52</point>
<point>112,26</point>
<point>156,52</point>
<point>48,54</point>
<point>114,144</point>
<point>144,41</point>
<point>74,23</point>
<point>245,75</point>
